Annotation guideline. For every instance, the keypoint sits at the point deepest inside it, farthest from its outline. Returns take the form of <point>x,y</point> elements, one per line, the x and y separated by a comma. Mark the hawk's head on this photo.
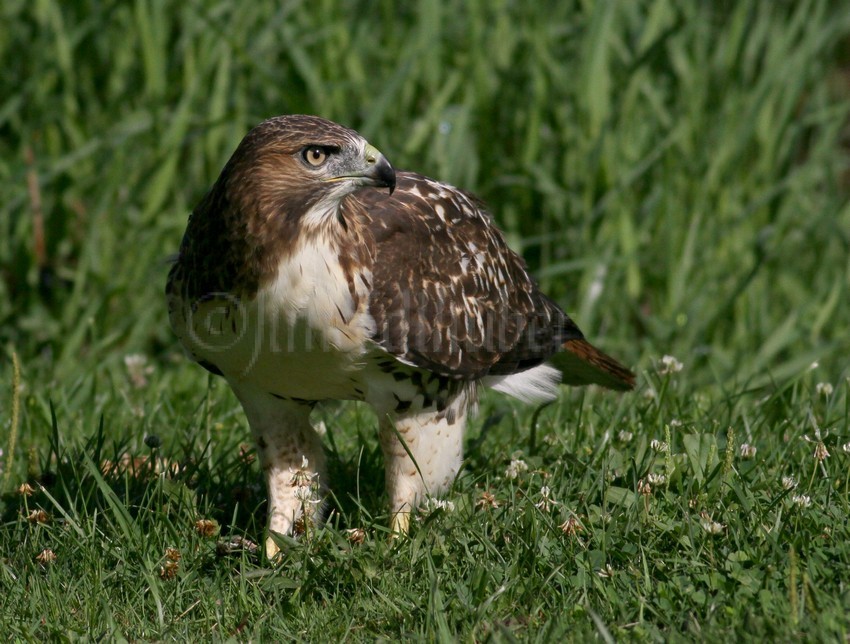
<point>295,166</point>
<point>288,174</point>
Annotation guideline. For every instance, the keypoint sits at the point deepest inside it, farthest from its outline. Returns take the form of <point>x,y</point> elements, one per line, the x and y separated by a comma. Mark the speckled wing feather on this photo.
<point>448,294</point>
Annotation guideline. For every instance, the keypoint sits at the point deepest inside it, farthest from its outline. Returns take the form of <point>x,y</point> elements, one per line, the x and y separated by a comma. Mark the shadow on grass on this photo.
<point>100,476</point>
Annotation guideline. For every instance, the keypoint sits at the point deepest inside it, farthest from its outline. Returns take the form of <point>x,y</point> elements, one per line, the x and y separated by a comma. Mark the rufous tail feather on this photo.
<point>581,363</point>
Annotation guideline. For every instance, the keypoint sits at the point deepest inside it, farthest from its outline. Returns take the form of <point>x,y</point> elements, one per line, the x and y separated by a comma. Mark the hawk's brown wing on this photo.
<point>449,295</point>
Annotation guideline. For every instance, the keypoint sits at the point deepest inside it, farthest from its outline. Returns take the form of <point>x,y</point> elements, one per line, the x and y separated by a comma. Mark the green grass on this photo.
<point>675,174</point>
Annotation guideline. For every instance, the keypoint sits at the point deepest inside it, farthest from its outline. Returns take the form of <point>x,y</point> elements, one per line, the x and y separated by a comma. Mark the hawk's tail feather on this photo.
<point>583,364</point>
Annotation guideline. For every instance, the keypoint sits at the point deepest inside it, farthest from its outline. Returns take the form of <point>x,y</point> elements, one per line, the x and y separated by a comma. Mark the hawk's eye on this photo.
<point>315,155</point>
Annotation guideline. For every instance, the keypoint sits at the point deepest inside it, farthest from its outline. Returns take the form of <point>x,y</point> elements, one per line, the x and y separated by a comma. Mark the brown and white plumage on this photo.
<point>301,279</point>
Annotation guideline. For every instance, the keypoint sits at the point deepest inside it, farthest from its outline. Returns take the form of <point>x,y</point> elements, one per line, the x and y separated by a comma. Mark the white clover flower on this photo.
<point>46,557</point>
<point>656,479</point>
<point>675,423</point>
<point>306,494</point>
<point>748,451</point>
<point>801,500</point>
<point>355,535</point>
<point>820,453</point>
<point>823,389</point>
<point>624,436</point>
<point>432,504</point>
<point>845,447</point>
<point>517,467</point>
<point>487,500</point>
<point>789,482</point>
<point>606,573</point>
<point>137,369</point>
<point>303,477</point>
<point>670,365</point>
<point>546,501</point>
<point>711,527</point>
<point>25,489</point>
<point>659,446</point>
<point>571,527</point>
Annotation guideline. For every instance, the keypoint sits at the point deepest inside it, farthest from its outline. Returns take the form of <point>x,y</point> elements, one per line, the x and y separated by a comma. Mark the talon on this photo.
<point>272,551</point>
<point>400,525</point>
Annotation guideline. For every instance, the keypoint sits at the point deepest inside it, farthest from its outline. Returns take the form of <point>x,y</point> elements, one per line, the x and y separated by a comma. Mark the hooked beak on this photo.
<point>375,172</point>
<point>380,173</point>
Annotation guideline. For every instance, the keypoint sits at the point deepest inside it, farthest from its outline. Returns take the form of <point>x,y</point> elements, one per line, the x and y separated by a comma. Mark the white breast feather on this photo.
<point>301,336</point>
<point>312,288</point>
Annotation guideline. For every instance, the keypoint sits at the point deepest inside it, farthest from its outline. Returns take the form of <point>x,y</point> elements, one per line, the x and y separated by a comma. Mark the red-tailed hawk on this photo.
<point>313,271</point>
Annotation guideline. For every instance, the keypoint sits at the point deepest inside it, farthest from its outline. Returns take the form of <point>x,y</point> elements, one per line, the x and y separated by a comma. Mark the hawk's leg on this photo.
<point>292,459</point>
<point>423,452</point>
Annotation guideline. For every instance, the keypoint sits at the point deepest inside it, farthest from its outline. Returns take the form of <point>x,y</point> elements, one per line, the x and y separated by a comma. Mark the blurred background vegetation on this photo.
<point>673,171</point>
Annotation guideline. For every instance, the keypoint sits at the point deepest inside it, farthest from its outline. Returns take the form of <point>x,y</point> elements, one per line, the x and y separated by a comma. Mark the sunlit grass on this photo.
<point>675,175</point>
